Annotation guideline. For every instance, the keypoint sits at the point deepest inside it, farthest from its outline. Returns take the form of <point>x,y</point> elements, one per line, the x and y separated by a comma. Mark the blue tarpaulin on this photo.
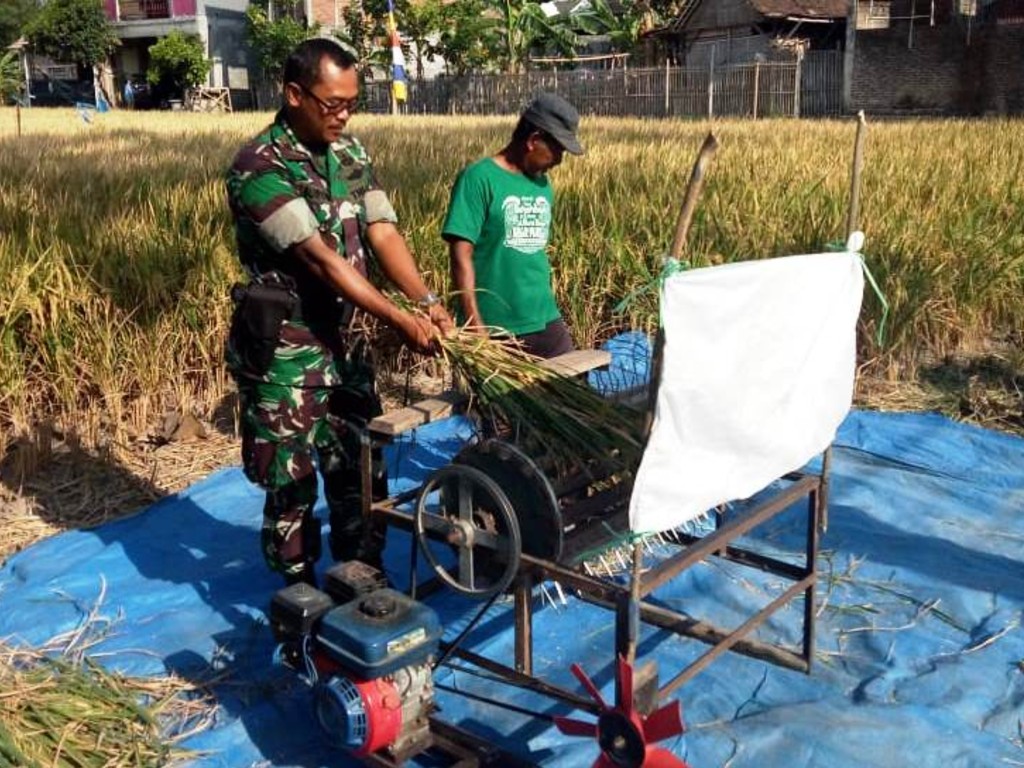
<point>920,654</point>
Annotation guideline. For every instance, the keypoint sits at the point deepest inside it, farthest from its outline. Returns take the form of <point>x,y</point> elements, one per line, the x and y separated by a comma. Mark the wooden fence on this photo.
<point>809,87</point>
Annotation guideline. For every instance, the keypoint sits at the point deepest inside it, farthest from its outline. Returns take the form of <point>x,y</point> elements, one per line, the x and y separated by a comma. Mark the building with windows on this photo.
<point>220,24</point>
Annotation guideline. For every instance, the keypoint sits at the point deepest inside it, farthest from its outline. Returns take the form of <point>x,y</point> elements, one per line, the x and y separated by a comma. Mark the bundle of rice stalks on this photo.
<point>58,712</point>
<point>550,413</point>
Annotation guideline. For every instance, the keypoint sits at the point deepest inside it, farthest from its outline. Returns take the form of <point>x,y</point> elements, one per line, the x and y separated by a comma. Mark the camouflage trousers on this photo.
<point>306,415</point>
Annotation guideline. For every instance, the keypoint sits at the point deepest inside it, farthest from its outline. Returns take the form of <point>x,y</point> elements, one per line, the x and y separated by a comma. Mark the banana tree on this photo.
<point>522,26</point>
<point>623,28</point>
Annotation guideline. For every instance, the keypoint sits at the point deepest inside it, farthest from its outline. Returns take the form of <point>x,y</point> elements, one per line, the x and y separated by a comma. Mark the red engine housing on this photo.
<point>383,708</point>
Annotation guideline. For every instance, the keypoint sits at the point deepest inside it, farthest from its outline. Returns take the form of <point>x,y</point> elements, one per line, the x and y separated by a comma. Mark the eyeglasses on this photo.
<point>332,107</point>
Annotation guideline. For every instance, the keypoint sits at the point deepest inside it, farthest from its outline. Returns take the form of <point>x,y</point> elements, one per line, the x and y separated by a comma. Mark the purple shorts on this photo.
<point>553,341</point>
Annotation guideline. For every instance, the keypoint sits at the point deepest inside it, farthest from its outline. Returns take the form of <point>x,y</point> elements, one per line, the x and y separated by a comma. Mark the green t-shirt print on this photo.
<point>507,218</point>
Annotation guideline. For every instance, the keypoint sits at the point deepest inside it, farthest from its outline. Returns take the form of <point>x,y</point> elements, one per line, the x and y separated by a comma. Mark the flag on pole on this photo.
<point>398,83</point>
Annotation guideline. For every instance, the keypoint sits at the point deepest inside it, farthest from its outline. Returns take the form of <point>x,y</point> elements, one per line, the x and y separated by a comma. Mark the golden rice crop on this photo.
<point>116,249</point>
<point>555,414</point>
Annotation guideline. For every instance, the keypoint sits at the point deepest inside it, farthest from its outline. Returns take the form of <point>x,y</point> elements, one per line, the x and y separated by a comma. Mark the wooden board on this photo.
<point>579,361</point>
<point>418,414</point>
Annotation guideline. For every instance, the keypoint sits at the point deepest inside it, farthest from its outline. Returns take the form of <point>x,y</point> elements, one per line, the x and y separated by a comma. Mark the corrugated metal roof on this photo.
<point>772,9</point>
<point>567,7</point>
<point>811,9</point>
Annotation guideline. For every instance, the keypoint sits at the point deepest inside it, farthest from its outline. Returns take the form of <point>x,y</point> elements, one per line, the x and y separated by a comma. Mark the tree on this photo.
<point>666,9</point>
<point>177,62</point>
<point>468,39</point>
<point>419,23</point>
<point>73,31</point>
<point>366,32</point>
<point>15,16</point>
<point>272,39</point>
<point>358,34</point>
<point>12,79</point>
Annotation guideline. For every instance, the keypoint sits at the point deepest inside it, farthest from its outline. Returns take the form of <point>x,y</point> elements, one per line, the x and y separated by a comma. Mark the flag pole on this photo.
<point>398,85</point>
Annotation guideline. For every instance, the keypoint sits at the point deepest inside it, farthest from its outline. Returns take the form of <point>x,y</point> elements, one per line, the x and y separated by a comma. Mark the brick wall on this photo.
<point>324,11</point>
<point>942,72</point>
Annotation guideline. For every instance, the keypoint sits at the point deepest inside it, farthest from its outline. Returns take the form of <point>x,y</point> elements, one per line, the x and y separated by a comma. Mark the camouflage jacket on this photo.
<point>280,194</point>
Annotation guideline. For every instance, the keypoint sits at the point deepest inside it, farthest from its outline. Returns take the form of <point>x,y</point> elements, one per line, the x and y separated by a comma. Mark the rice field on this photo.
<point>116,250</point>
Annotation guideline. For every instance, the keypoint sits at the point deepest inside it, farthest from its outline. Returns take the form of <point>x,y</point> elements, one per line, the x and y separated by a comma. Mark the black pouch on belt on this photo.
<point>260,311</point>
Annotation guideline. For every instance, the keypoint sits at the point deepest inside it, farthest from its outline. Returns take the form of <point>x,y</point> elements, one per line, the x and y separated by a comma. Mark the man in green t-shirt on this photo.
<point>498,225</point>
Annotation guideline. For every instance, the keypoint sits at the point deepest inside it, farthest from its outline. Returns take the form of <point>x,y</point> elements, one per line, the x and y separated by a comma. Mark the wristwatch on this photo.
<point>429,300</point>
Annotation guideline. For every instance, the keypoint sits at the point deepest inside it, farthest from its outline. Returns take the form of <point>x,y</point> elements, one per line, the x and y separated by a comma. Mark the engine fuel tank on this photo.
<point>380,632</point>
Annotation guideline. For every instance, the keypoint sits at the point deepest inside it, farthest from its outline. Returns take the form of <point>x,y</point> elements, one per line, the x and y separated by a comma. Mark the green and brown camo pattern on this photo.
<point>334,185</point>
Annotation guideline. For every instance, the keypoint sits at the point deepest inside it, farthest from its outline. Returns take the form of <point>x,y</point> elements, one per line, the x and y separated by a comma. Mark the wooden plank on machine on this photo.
<point>418,414</point>
<point>579,361</point>
<point>443,405</point>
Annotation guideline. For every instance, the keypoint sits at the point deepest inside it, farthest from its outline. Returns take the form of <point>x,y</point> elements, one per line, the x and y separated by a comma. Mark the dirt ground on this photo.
<point>70,487</point>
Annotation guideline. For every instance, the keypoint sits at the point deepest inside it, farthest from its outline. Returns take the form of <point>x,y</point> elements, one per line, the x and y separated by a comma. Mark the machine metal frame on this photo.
<point>629,601</point>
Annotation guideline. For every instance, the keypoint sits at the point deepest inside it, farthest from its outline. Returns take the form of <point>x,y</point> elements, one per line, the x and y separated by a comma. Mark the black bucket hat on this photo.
<point>552,114</point>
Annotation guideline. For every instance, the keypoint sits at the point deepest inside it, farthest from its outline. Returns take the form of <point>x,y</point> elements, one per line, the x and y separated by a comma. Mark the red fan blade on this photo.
<point>626,686</point>
<point>656,757</point>
<point>604,762</point>
<point>664,722</point>
<point>571,727</point>
<point>589,685</point>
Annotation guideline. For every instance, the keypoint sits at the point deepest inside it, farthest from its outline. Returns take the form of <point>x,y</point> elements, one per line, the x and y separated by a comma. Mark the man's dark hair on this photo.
<point>523,130</point>
<point>303,64</point>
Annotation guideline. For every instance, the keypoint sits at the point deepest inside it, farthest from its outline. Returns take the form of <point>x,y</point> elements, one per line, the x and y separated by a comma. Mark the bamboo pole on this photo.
<point>855,174</point>
<point>711,85</point>
<point>28,80</point>
<point>851,227</point>
<point>631,620</point>
<point>693,190</point>
<point>797,83</point>
<point>757,85</point>
<point>668,86</point>
<point>690,197</point>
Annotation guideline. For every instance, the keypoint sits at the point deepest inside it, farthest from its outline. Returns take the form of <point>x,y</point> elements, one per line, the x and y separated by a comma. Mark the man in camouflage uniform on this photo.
<point>308,214</point>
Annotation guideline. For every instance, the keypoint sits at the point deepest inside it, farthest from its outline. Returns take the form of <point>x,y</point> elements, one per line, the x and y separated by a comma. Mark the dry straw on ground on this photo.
<point>60,709</point>
<point>73,486</point>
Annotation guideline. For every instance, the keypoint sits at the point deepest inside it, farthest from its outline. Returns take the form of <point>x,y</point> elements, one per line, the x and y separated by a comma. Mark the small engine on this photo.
<point>367,651</point>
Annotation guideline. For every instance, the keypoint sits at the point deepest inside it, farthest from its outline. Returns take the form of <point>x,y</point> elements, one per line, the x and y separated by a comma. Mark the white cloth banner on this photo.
<point>758,373</point>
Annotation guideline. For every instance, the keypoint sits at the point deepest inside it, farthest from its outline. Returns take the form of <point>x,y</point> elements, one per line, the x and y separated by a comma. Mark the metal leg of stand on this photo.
<point>826,472</point>
<point>523,596</point>
<point>810,607</point>
<point>366,473</point>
